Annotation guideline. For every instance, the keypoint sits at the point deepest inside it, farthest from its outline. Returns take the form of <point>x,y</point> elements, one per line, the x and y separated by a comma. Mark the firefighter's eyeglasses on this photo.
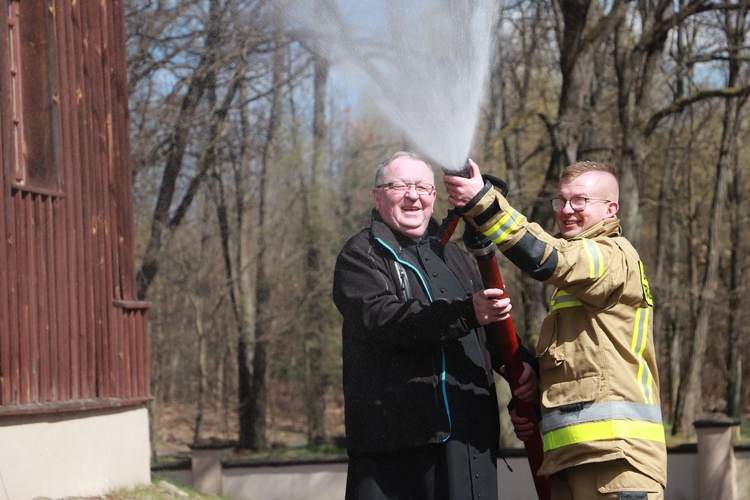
<point>399,187</point>
<point>578,204</point>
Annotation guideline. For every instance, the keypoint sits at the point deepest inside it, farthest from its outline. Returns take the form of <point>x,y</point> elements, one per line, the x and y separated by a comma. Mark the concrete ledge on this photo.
<point>324,478</point>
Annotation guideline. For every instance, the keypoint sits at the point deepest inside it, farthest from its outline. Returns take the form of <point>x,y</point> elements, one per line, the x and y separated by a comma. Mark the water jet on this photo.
<point>424,63</point>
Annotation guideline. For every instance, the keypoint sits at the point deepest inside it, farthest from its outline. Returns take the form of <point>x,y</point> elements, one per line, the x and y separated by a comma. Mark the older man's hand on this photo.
<point>491,305</point>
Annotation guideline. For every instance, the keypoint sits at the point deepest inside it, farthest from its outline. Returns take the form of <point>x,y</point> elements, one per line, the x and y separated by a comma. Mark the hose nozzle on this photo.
<point>464,172</point>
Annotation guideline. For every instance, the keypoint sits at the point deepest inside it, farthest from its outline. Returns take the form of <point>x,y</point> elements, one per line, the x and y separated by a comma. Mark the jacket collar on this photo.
<point>608,227</point>
<point>396,240</point>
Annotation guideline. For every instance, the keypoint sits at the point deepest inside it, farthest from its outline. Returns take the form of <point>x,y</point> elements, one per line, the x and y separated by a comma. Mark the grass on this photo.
<point>159,489</point>
<point>743,439</point>
<point>291,453</point>
<point>745,430</point>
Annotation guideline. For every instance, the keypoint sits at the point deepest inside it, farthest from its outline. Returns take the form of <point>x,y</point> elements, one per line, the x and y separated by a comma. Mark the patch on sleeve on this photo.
<point>644,284</point>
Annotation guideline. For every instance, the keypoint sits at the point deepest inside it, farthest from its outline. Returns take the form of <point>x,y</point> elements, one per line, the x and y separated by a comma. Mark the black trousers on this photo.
<point>449,471</point>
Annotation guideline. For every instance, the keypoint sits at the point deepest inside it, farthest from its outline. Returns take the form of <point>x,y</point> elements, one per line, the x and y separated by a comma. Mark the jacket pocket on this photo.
<point>572,363</point>
<point>562,394</point>
<point>547,335</point>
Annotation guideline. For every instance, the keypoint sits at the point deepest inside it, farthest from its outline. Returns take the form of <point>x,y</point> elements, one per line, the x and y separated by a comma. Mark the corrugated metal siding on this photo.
<point>72,334</point>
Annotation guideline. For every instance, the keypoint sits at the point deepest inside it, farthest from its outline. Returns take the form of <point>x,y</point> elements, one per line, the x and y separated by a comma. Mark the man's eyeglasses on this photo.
<point>578,204</point>
<point>422,188</point>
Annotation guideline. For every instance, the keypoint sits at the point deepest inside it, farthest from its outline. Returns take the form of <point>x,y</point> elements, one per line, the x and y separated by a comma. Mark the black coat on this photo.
<point>399,339</point>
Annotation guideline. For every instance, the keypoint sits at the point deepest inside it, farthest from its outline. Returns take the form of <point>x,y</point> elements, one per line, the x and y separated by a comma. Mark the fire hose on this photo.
<point>504,332</point>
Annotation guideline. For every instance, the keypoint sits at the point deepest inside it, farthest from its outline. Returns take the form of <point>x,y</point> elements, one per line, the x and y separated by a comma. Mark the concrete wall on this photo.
<point>327,481</point>
<point>79,455</point>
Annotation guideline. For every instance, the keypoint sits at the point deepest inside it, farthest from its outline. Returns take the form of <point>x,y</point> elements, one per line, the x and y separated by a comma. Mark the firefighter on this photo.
<point>601,416</point>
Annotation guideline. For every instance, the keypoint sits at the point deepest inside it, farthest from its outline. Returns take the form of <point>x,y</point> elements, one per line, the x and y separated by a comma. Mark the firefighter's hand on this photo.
<point>491,305</point>
<point>460,189</point>
<point>527,389</point>
<point>523,427</point>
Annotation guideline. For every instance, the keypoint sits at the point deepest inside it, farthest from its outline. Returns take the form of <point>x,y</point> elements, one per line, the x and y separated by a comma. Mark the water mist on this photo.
<point>424,63</point>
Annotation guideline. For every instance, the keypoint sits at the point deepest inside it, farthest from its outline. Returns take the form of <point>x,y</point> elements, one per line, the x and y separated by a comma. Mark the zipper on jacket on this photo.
<point>405,283</point>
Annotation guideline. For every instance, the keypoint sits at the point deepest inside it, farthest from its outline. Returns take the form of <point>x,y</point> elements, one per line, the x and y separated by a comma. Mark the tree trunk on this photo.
<point>736,295</point>
<point>253,405</point>
<point>690,395</point>
<point>178,144</point>
<point>315,322</point>
<point>737,29</point>
<point>197,304</point>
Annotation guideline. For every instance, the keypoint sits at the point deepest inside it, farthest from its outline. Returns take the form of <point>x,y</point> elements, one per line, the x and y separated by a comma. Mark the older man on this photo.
<point>601,417</point>
<point>420,404</point>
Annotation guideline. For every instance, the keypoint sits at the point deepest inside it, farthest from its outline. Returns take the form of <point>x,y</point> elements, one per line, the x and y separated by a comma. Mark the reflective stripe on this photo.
<point>500,231</point>
<point>562,300</point>
<point>610,410</point>
<point>596,259</point>
<point>597,421</point>
<point>640,338</point>
<point>607,430</point>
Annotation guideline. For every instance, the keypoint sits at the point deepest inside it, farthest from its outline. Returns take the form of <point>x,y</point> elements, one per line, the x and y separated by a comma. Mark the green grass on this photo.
<point>745,430</point>
<point>744,434</point>
<point>292,453</point>
<point>159,489</point>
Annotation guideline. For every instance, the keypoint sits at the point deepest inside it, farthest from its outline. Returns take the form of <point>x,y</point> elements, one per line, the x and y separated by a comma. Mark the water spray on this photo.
<point>425,65</point>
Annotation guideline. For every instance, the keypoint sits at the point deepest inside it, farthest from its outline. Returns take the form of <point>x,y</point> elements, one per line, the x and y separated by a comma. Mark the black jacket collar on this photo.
<point>396,240</point>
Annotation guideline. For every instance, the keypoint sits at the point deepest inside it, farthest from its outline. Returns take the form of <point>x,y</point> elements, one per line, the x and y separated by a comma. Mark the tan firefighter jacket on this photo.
<point>600,387</point>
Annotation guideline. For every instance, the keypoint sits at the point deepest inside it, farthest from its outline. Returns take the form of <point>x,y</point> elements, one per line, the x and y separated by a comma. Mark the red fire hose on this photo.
<point>505,333</point>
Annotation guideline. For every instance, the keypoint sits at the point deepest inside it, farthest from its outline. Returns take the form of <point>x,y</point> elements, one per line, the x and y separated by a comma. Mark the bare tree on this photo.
<point>223,105</point>
<point>689,395</point>
<point>316,324</point>
<point>176,147</point>
<point>510,117</point>
<point>737,30</point>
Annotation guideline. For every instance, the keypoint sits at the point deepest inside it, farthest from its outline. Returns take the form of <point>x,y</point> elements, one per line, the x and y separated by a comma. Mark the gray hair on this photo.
<point>380,171</point>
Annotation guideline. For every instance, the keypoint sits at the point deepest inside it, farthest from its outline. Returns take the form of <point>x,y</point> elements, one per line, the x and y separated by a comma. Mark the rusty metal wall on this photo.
<point>72,334</point>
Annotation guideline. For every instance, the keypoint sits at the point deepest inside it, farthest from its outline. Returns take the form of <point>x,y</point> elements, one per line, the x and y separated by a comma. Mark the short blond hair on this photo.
<point>581,167</point>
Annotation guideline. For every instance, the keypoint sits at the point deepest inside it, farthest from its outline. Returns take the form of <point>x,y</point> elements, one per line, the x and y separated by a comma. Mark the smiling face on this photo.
<point>407,212</point>
<point>596,186</point>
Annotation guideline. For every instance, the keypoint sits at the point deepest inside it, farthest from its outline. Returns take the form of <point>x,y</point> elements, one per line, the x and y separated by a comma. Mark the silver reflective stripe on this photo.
<point>596,259</point>
<point>638,346</point>
<point>593,412</point>
<point>562,300</point>
<point>503,227</point>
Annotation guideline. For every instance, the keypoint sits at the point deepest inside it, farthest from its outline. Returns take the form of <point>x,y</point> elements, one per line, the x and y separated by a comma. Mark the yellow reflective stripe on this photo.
<point>562,300</point>
<point>645,286</point>
<point>638,346</point>
<point>604,430</point>
<point>500,231</point>
<point>596,259</point>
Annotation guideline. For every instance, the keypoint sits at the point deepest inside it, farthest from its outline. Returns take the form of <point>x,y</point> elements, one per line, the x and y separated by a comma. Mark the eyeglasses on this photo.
<point>578,204</point>
<point>423,188</point>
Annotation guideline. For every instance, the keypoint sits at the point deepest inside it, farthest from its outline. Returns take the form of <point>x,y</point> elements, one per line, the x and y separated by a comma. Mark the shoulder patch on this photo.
<point>644,284</point>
